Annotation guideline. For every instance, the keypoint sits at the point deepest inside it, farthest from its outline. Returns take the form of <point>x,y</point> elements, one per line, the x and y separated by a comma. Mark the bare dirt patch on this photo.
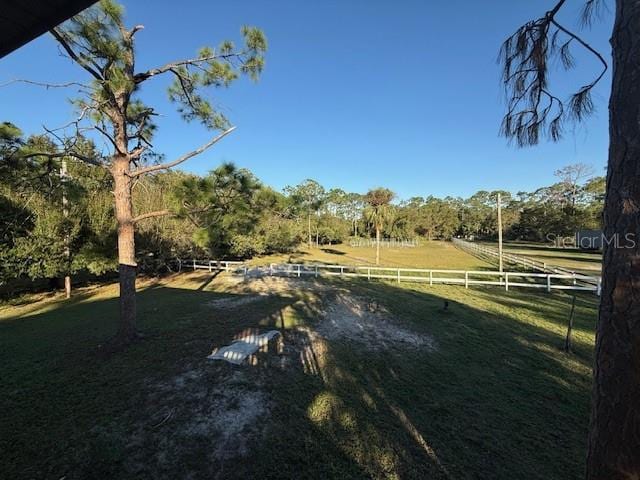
<point>342,316</point>
<point>208,414</point>
<point>280,285</point>
<point>368,323</point>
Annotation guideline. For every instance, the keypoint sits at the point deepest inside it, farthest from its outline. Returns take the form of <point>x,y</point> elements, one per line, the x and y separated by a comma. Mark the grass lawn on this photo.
<point>585,262</point>
<point>435,254</point>
<point>487,394</point>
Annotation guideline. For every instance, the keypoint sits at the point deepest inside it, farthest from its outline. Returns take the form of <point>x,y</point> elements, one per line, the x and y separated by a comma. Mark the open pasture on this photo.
<point>372,380</point>
<point>429,254</point>
<point>586,262</point>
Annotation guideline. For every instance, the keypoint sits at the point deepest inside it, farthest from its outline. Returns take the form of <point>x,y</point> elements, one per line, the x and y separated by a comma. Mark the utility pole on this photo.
<point>65,214</point>
<point>500,231</point>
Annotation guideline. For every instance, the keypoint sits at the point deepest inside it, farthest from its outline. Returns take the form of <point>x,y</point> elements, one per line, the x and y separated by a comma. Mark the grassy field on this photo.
<point>479,390</point>
<point>435,254</point>
<point>581,261</point>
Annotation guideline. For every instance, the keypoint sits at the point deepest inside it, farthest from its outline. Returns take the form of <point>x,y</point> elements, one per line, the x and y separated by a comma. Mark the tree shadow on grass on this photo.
<point>486,403</point>
<point>552,312</point>
<point>210,279</point>
<point>332,251</point>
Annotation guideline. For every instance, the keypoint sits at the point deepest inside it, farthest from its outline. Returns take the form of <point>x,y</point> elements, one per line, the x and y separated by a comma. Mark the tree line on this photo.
<point>57,224</point>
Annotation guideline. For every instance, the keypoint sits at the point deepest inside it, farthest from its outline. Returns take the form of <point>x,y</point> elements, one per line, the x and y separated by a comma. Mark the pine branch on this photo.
<point>67,47</point>
<point>531,106</point>
<point>184,158</point>
<point>142,76</point>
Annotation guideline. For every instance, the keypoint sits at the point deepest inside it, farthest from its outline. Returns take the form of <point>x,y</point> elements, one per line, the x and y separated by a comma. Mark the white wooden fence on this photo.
<point>385,243</point>
<point>507,280</point>
<point>519,260</point>
<point>211,265</point>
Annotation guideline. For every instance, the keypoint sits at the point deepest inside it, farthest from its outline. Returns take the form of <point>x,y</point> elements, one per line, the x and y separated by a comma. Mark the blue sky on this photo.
<point>355,93</point>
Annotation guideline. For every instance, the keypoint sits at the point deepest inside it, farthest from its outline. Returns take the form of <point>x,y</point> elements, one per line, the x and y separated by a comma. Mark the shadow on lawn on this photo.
<point>487,403</point>
<point>333,251</point>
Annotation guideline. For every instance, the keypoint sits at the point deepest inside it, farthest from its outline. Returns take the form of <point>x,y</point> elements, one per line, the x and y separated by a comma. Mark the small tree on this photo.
<point>571,177</point>
<point>98,41</point>
<point>309,196</point>
<point>378,212</point>
<point>354,206</point>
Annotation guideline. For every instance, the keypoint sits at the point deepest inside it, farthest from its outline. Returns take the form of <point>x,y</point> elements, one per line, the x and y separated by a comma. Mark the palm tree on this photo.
<point>378,212</point>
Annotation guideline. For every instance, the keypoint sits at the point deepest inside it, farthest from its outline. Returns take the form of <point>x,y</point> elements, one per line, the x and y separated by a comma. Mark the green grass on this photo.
<point>581,261</point>
<point>434,254</point>
<point>496,399</point>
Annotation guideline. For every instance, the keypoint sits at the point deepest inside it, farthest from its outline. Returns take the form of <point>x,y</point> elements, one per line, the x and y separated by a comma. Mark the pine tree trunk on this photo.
<point>614,434</point>
<point>127,331</point>
<point>309,218</point>
<point>377,245</point>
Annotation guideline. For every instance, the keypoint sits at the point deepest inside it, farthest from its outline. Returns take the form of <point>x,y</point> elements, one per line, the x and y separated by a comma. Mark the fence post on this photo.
<point>316,271</point>
<point>368,273</point>
<point>298,270</point>
<point>271,269</point>
<point>194,263</point>
<point>209,266</point>
<point>430,277</point>
<point>599,290</point>
<point>549,283</point>
<point>245,270</point>
<point>341,271</point>
<point>398,275</point>
<point>466,279</point>
<point>506,282</point>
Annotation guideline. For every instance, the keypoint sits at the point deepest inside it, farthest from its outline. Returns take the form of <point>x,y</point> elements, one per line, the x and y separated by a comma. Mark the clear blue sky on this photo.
<point>355,93</point>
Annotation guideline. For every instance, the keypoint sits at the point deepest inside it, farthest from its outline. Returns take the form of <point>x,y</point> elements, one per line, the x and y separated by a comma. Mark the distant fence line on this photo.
<point>484,252</point>
<point>386,243</point>
<point>546,281</point>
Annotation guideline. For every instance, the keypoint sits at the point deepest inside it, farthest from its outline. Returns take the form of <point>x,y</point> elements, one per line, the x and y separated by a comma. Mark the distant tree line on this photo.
<point>229,213</point>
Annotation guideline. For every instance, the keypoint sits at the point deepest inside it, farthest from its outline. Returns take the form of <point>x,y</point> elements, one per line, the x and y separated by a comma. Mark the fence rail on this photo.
<point>385,243</point>
<point>211,265</point>
<point>507,280</point>
<point>484,251</point>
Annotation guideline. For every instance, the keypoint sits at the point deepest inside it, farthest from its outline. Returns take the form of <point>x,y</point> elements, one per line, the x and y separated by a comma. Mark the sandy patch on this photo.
<point>213,413</point>
<point>266,284</point>
<point>368,323</point>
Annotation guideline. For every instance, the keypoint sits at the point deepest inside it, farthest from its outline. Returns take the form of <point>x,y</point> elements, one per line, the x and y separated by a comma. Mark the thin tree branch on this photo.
<point>184,158</point>
<point>181,79</point>
<point>157,213</point>
<point>110,138</point>
<point>49,155</point>
<point>44,84</point>
<point>587,46</point>
<point>142,76</point>
<point>62,41</point>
